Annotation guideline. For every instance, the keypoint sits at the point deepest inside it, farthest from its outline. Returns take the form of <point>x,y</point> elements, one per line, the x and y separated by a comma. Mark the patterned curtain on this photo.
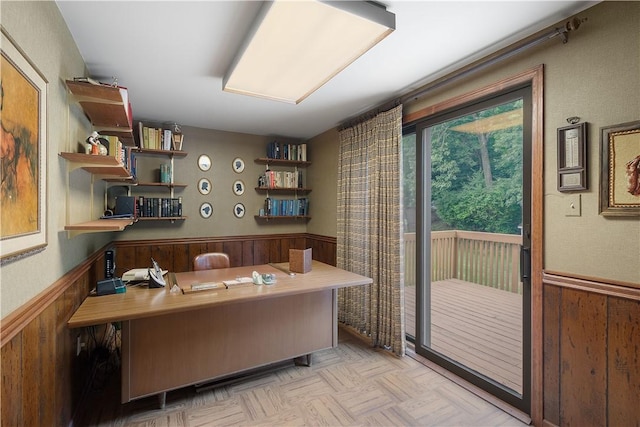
<point>369,234</point>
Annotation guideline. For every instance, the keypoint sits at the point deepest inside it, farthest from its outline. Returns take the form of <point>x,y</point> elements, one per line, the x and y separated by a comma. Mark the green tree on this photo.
<point>476,177</point>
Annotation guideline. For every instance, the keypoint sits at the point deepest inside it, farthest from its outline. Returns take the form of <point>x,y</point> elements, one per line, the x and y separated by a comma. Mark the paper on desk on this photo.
<point>238,281</point>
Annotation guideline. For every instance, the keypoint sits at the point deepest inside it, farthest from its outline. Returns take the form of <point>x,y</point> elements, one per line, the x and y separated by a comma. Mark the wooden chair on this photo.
<point>211,260</point>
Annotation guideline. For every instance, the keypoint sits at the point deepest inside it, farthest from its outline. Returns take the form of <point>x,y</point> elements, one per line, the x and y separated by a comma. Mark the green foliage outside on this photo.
<point>471,189</point>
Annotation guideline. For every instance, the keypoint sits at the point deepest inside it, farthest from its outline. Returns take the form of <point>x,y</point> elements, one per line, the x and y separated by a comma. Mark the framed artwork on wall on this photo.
<point>204,162</point>
<point>237,165</point>
<point>239,210</point>
<point>620,170</point>
<point>204,186</point>
<point>206,210</point>
<point>572,157</point>
<point>23,192</point>
<point>238,187</point>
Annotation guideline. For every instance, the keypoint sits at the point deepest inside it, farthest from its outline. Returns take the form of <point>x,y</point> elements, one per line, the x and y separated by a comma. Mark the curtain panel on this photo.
<point>369,233</point>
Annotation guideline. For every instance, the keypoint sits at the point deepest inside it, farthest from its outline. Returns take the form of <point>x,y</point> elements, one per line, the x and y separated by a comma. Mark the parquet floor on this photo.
<point>350,385</point>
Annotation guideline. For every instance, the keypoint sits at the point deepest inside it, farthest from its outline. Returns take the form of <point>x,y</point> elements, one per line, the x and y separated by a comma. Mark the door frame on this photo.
<point>535,78</point>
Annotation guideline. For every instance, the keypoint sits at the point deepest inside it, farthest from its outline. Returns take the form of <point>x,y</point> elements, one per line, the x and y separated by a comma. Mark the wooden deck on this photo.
<point>479,326</point>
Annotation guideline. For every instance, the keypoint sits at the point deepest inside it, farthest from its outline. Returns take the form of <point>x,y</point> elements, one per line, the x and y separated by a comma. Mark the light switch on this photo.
<point>573,206</point>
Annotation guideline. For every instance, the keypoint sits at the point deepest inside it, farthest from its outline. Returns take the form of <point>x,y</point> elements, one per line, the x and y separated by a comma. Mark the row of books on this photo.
<point>115,148</point>
<point>279,150</point>
<point>158,207</point>
<point>281,179</point>
<point>153,138</point>
<point>286,207</point>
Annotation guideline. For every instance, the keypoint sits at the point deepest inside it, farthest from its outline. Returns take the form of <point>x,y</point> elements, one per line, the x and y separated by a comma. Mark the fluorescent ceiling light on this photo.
<point>297,46</point>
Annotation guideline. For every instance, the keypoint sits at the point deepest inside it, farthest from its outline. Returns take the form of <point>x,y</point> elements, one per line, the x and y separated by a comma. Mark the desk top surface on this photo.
<point>140,301</point>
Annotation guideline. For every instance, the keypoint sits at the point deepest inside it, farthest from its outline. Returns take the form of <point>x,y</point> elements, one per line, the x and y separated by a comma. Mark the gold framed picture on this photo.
<point>620,170</point>
<point>23,193</point>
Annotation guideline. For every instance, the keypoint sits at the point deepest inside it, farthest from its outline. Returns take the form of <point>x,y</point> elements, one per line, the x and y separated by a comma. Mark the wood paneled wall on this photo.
<point>591,352</point>
<point>43,380</point>
<point>176,255</point>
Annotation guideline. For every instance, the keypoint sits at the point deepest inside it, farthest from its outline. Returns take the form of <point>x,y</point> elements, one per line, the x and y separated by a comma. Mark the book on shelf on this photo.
<point>283,179</point>
<point>158,207</point>
<point>154,138</point>
<point>281,151</point>
<point>287,207</point>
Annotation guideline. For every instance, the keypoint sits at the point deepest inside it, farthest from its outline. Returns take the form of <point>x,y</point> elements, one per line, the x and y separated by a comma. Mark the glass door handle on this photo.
<point>525,263</point>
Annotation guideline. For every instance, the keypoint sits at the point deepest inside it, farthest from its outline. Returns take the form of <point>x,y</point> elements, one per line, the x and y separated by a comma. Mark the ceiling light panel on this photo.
<point>295,47</point>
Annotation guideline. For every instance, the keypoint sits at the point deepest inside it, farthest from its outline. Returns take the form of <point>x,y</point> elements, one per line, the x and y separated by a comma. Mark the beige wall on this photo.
<point>323,176</point>
<point>595,76</point>
<point>39,30</point>
<point>222,148</point>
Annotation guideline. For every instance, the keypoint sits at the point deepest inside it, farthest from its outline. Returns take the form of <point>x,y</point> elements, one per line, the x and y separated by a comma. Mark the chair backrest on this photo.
<point>211,260</point>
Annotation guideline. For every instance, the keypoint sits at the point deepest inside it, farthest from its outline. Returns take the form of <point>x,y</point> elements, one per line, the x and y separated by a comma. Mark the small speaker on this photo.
<point>109,263</point>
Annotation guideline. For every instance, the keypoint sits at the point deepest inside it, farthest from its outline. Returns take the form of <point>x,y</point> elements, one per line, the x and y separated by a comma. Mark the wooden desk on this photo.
<point>172,340</point>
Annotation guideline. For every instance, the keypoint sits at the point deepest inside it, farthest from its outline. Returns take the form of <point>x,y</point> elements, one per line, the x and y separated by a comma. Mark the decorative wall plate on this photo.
<point>237,165</point>
<point>238,210</point>
<point>238,187</point>
<point>204,162</point>
<point>204,186</point>
<point>206,210</point>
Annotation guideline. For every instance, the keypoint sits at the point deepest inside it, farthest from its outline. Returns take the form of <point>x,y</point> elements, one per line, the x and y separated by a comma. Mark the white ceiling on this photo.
<point>172,55</point>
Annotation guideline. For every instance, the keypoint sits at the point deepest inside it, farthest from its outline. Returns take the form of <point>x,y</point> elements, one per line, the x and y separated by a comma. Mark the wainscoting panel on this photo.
<point>176,255</point>
<point>591,352</point>
<point>43,381</point>
<point>42,378</point>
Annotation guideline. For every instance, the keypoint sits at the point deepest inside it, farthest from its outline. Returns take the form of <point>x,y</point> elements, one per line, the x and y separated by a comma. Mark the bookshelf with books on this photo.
<point>148,203</point>
<point>284,176</point>
<point>159,137</point>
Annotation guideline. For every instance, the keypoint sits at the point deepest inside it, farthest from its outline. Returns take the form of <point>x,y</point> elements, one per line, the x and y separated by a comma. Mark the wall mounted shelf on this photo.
<point>102,167</point>
<point>107,107</point>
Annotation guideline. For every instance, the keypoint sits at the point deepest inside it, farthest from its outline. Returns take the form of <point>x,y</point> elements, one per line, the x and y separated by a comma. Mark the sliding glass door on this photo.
<point>470,229</point>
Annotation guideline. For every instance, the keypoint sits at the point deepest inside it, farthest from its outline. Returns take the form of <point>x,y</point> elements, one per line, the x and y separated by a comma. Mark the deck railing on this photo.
<point>488,259</point>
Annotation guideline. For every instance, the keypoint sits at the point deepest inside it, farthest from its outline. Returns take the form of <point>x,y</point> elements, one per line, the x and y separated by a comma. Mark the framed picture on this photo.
<point>620,170</point>
<point>206,210</point>
<point>204,186</point>
<point>238,187</point>
<point>572,157</point>
<point>23,192</point>
<point>204,162</point>
<point>238,210</point>
<point>237,165</point>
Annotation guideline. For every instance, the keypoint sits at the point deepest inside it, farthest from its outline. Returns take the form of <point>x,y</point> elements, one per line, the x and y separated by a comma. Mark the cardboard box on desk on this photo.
<point>300,260</point>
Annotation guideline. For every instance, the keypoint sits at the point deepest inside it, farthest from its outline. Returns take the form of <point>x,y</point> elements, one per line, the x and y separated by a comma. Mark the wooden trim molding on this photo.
<point>512,81</point>
<point>595,285</point>
<point>15,321</point>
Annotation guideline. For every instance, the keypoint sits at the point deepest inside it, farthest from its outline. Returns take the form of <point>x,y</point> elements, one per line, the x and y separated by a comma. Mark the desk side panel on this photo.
<point>176,350</point>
